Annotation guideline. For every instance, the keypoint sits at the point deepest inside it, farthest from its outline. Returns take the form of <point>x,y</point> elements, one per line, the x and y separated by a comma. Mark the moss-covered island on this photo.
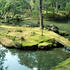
<point>28,37</point>
<point>25,37</point>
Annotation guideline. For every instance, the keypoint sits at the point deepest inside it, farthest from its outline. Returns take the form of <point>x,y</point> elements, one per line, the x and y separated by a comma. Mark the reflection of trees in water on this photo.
<point>41,59</point>
<point>36,59</point>
<point>2,58</point>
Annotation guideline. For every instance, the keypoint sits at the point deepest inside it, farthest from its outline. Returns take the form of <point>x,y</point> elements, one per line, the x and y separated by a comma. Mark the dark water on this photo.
<point>13,59</point>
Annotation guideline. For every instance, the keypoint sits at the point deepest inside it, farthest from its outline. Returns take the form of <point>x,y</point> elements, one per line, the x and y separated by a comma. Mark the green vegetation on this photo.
<point>23,24</point>
<point>30,37</point>
<point>15,11</point>
<point>25,37</point>
<point>63,65</point>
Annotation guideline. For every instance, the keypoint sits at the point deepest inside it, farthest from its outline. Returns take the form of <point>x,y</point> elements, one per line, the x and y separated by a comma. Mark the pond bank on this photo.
<point>65,65</point>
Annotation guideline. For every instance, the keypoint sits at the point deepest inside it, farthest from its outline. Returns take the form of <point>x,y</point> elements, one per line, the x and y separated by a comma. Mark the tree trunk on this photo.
<point>41,17</point>
<point>56,6</point>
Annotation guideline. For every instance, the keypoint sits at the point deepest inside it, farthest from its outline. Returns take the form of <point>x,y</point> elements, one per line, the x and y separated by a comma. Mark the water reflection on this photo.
<point>41,60</point>
<point>13,59</point>
<point>2,57</point>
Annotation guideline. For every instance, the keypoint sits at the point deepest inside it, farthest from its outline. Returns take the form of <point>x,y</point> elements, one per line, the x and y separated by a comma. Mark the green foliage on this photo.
<point>68,7</point>
<point>19,30</point>
<point>30,8</point>
<point>45,44</point>
<point>22,38</point>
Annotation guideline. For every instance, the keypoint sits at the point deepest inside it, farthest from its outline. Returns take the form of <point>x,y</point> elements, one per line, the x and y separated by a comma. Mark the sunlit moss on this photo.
<point>45,44</point>
<point>29,44</point>
<point>31,36</point>
<point>65,65</point>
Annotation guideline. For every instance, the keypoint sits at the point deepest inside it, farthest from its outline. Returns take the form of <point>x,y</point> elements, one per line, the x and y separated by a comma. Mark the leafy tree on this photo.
<point>68,7</point>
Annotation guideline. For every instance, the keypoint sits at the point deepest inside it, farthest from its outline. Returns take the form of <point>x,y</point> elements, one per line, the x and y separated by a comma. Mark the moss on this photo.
<point>19,30</point>
<point>45,44</point>
<point>33,33</point>
<point>32,36</point>
<point>29,44</point>
<point>65,65</point>
<point>55,45</point>
<point>51,40</point>
<point>38,38</point>
<point>7,42</point>
<point>11,37</point>
<point>63,33</point>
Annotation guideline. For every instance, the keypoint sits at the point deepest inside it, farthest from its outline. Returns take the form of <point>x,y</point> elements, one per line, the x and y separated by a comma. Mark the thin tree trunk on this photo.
<point>41,17</point>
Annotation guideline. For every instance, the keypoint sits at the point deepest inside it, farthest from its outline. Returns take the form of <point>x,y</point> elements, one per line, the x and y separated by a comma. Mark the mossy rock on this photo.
<point>19,30</point>
<point>7,42</point>
<point>19,38</point>
<point>22,38</point>
<point>52,40</point>
<point>44,44</point>
<point>63,33</point>
<point>18,45</point>
<point>12,37</point>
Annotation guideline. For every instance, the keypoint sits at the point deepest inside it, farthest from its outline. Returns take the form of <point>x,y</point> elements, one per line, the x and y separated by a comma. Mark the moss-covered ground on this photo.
<point>29,37</point>
<point>26,36</point>
<point>65,65</point>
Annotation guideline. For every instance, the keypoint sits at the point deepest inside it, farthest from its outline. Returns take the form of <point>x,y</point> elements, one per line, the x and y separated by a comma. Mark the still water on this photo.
<point>12,59</point>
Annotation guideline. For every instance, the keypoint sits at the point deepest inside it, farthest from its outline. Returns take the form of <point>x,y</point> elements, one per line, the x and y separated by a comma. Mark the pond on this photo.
<point>13,59</point>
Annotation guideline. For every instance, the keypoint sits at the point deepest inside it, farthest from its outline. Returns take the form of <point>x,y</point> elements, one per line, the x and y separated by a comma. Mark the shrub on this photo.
<point>22,38</point>
<point>19,30</point>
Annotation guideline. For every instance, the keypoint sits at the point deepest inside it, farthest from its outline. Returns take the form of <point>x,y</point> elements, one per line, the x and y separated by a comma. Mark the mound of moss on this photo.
<point>27,38</point>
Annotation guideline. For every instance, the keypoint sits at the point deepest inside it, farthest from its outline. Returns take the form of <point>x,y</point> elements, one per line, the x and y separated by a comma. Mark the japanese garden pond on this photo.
<point>14,59</point>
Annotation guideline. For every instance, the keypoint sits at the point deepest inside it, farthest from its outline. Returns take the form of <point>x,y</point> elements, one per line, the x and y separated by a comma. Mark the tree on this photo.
<point>41,17</point>
<point>68,11</point>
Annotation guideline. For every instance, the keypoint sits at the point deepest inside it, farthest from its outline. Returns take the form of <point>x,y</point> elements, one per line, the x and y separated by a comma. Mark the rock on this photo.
<point>63,33</point>
<point>7,42</point>
<point>4,22</point>
<point>22,38</point>
<point>19,30</point>
<point>53,28</point>
<point>18,45</point>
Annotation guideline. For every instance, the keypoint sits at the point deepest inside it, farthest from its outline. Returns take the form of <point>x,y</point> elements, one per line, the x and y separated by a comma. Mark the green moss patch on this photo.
<point>30,37</point>
<point>45,44</point>
<point>29,44</point>
<point>65,65</point>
